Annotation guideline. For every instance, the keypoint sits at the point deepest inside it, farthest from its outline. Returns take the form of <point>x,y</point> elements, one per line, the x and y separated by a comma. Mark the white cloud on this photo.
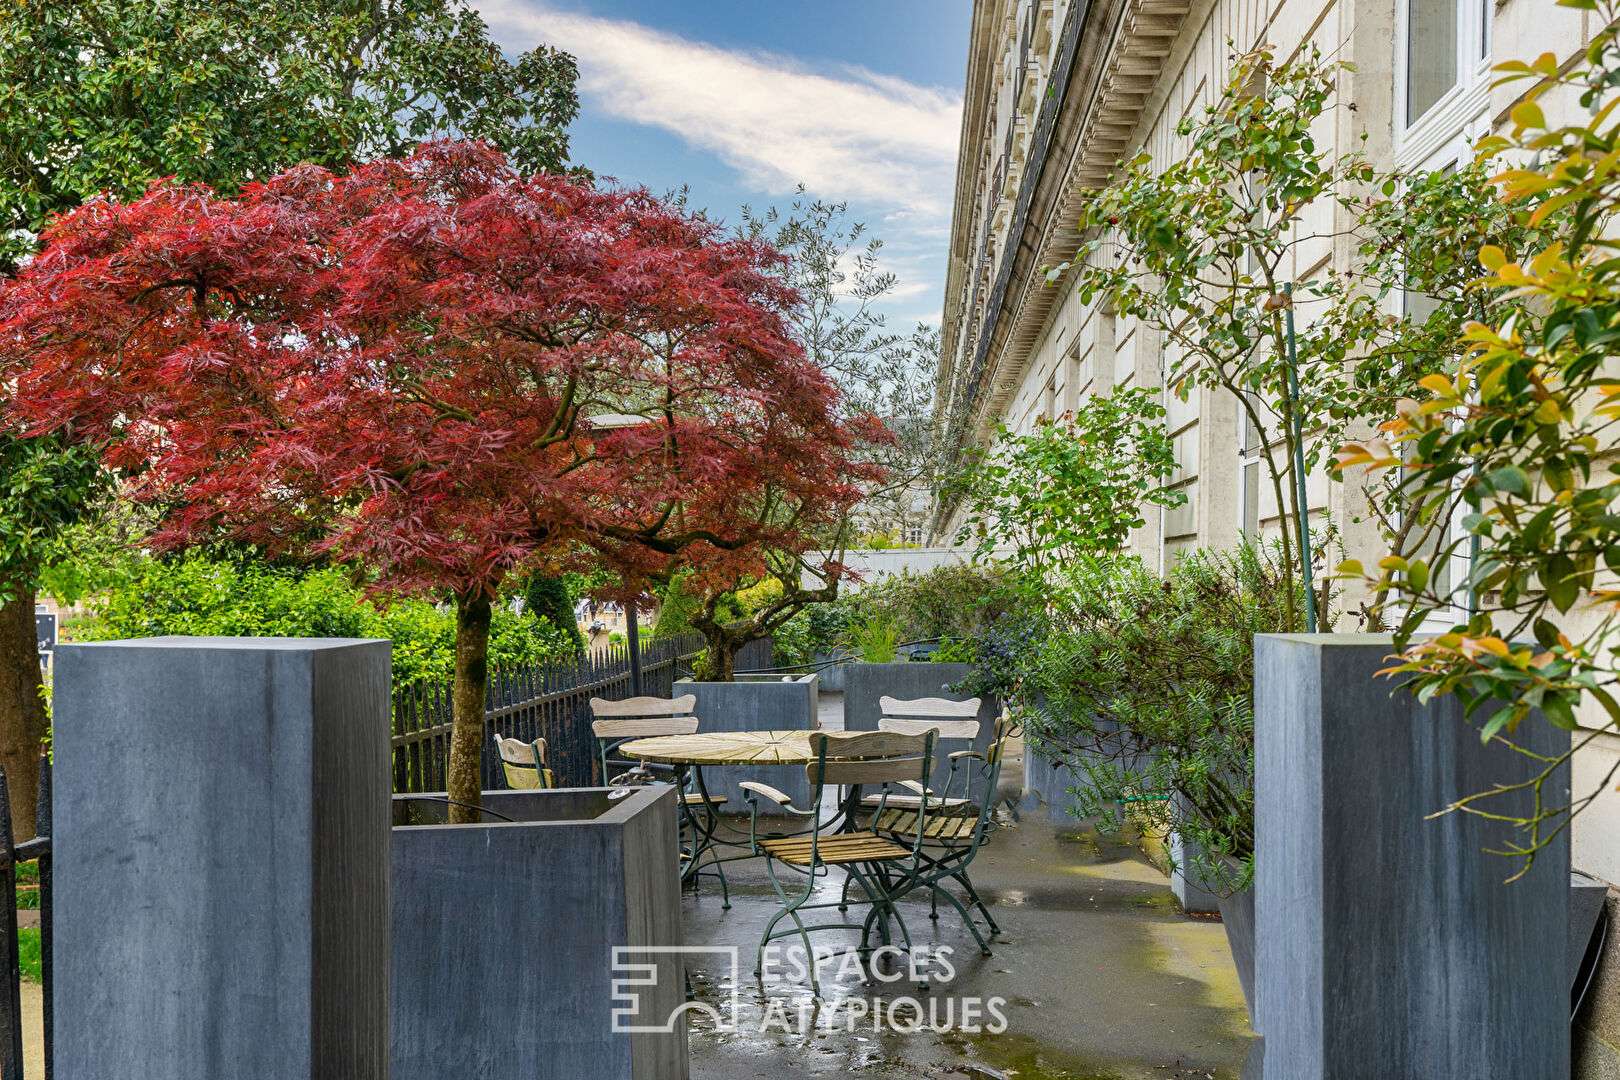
<point>862,136</point>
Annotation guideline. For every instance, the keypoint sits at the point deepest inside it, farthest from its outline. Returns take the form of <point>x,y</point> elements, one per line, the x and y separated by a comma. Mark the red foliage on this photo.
<point>399,366</point>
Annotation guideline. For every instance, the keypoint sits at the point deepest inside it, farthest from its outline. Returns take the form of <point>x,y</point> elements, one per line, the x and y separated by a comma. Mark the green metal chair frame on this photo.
<point>618,722</point>
<point>882,865</point>
<point>953,837</point>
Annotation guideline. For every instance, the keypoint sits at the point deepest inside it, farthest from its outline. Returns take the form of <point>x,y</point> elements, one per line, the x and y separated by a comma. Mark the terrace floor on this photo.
<point>1100,976</point>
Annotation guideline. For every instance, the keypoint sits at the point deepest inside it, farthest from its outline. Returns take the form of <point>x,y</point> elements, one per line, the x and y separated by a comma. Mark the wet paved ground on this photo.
<point>1095,974</point>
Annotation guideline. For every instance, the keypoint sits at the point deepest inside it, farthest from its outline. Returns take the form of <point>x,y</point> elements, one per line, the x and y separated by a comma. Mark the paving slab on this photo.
<point>1096,974</point>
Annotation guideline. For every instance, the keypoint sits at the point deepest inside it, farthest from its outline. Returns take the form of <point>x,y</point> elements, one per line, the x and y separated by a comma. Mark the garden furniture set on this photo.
<point>872,812</point>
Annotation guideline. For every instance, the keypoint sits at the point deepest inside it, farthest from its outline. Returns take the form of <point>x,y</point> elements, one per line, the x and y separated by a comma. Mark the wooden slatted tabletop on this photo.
<point>724,748</point>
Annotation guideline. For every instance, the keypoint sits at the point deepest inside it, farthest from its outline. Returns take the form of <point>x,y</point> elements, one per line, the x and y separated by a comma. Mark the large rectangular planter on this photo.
<point>505,937</point>
<point>1193,895</point>
<point>866,684</point>
<point>1388,944</point>
<point>1047,783</point>
<point>757,703</point>
<point>220,842</point>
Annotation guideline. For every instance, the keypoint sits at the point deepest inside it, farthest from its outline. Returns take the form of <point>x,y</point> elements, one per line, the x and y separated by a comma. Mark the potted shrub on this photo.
<point>1146,695</point>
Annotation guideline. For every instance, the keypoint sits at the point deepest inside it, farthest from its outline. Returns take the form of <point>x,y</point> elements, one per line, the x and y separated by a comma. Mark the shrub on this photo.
<point>675,609</point>
<point>1144,687</point>
<point>549,598</point>
<point>873,639</point>
<point>1003,652</point>
<point>947,601</point>
<point>202,596</point>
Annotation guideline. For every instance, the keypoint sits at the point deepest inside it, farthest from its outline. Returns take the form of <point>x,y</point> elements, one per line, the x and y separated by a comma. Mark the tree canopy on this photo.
<point>438,368</point>
<point>110,95</point>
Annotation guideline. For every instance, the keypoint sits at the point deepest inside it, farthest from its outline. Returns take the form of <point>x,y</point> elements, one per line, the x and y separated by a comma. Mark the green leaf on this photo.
<point>1556,707</point>
<point>1509,478</point>
<point>1559,581</point>
<point>1546,634</point>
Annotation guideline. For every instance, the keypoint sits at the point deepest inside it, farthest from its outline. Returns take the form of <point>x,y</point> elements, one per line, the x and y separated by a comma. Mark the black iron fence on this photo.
<point>12,855</point>
<point>548,701</point>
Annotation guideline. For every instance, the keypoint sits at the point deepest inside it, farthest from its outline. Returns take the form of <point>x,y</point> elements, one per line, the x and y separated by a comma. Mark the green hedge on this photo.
<point>198,595</point>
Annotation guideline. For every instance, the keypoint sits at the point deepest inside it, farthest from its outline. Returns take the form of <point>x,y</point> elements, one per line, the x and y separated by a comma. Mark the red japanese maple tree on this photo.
<point>399,368</point>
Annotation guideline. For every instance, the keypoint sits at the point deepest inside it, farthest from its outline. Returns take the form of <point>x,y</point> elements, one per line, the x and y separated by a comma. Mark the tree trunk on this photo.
<point>721,661</point>
<point>467,708</point>
<point>23,722</point>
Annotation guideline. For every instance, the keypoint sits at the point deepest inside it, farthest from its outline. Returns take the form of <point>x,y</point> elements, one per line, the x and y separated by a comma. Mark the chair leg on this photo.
<point>973,895</point>
<point>883,901</point>
<point>725,891</point>
<point>967,919</point>
<point>759,954</point>
<point>809,953</point>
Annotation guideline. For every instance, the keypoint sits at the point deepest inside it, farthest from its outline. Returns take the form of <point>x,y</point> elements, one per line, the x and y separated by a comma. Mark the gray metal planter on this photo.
<point>221,859</point>
<point>757,703</point>
<point>504,938</point>
<point>866,684</point>
<point>1047,782</point>
<point>1237,918</point>
<point>1387,944</point>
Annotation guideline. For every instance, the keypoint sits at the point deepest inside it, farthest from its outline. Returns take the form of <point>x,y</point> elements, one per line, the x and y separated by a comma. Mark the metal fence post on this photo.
<point>632,630</point>
<point>42,815</point>
<point>11,1064</point>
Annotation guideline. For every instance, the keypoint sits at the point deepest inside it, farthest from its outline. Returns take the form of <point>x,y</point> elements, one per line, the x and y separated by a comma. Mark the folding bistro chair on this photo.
<point>952,837</point>
<point>619,722</point>
<point>951,721</point>
<point>883,865</point>
<point>525,764</point>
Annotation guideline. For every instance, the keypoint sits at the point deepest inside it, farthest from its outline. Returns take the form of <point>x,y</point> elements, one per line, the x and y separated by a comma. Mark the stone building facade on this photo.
<point>1059,90</point>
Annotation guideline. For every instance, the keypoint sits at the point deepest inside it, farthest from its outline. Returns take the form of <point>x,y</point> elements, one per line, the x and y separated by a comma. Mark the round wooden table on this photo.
<point>692,753</point>
<point>724,748</point>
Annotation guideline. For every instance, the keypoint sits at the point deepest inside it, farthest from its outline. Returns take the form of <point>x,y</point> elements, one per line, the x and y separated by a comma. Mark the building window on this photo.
<point>1447,49</point>
<point>1249,471</point>
<point>1431,43</point>
<point>914,534</point>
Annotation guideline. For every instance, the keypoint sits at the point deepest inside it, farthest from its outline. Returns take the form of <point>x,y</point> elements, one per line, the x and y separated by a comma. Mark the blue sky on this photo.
<point>860,102</point>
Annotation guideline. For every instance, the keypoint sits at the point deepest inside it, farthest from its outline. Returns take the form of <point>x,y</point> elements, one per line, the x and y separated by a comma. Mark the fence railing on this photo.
<point>548,701</point>
<point>11,855</point>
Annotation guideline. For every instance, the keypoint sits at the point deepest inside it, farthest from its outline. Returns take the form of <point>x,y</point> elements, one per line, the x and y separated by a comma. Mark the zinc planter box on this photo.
<point>1386,942</point>
<point>1047,782</point>
<point>220,850</point>
<point>866,684</point>
<point>757,703</point>
<point>505,937</point>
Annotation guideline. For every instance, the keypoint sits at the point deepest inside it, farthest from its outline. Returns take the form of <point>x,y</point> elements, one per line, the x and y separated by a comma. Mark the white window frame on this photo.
<point>1462,110</point>
<point>1251,443</point>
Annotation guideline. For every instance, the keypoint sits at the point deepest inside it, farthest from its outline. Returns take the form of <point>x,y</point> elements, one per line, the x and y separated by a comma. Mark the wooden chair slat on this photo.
<point>644,727</point>
<point>846,745</point>
<point>871,771</point>
<point>928,706</point>
<point>947,729</point>
<point>643,706</point>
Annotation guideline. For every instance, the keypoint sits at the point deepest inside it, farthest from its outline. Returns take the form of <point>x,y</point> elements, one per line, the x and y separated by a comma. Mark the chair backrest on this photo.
<point>1006,728</point>
<point>524,763</point>
<point>920,714</point>
<point>643,717</point>
<point>618,722</point>
<point>869,757</point>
